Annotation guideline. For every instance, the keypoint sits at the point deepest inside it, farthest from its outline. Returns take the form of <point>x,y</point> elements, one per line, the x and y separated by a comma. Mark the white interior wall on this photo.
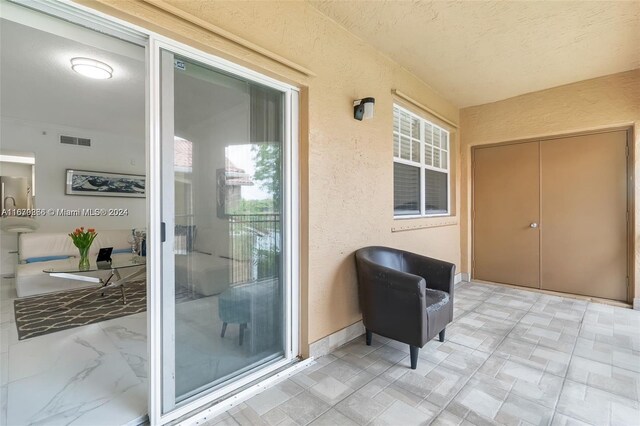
<point>109,152</point>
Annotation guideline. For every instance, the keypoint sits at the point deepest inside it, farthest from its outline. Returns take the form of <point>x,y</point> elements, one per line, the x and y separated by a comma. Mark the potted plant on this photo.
<point>83,240</point>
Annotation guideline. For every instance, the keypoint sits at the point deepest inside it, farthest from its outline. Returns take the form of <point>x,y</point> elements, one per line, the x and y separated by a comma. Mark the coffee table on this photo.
<point>75,273</point>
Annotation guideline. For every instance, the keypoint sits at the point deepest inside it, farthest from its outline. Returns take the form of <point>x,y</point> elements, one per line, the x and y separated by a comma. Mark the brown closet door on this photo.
<point>506,204</point>
<point>584,215</point>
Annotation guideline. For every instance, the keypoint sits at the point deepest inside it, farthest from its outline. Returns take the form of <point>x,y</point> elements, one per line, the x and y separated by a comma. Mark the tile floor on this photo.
<point>511,357</point>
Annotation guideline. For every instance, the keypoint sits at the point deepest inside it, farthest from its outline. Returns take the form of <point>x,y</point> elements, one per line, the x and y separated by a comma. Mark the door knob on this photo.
<point>533,225</point>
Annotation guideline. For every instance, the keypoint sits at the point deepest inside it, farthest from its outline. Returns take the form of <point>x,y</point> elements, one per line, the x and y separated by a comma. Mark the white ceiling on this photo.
<point>37,83</point>
<point>483,51</point>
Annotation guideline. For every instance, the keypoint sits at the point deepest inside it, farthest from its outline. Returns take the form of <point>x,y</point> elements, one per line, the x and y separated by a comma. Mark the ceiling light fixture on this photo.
<point>91,68</point>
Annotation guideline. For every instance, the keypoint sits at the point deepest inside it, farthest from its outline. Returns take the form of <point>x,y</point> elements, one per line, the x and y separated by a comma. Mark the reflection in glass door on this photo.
<point>224,280</point>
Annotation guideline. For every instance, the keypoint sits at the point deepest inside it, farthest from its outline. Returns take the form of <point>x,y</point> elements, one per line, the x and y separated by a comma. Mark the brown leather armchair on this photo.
<point>404,296</point>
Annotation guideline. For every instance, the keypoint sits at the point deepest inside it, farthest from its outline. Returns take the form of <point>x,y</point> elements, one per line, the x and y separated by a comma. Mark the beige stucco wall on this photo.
<point>604,102</point>
<point>346,164</point>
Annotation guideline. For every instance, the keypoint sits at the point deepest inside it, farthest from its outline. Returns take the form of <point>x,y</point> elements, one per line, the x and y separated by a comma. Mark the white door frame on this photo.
<point>153,42</point>
<point>156,269</point>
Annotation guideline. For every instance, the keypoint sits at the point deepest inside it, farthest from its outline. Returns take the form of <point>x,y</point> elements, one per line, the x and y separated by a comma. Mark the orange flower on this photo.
<point>82,228</point>
<point>92,230</point>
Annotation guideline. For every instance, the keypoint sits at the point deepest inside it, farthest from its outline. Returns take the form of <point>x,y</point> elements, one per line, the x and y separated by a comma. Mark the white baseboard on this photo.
<point>328,344</point>
<point>636,303</point>
<point>460,277</point>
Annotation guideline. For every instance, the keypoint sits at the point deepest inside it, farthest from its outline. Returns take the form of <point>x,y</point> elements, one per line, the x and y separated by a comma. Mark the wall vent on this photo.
<point>72,140</point>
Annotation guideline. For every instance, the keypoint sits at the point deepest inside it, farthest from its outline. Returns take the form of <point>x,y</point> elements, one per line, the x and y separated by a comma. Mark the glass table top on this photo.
<point>70,265</point>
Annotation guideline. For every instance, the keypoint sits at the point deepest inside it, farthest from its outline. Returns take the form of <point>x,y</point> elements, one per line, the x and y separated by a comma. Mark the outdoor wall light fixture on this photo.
<point>363,108</point>
<point>91,68</point>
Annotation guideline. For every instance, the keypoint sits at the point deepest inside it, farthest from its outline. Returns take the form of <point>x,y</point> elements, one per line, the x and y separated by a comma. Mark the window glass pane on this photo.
<point>396,120</point>
<point>415,151</point>
<point>443,160</point>
<point>406,189</point>
<point>428,133</point>
<point>396,152</point>
<point>428,155</point>
<point>415,128</point>
<point>436,136</point>
<point>436,157</point>
<point>404,125</point>
<point>405,146</point>
<point>435,192</point>
<point>444,140</point>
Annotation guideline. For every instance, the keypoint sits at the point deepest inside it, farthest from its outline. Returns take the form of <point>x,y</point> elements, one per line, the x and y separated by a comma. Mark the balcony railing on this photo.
<point>255,243</point>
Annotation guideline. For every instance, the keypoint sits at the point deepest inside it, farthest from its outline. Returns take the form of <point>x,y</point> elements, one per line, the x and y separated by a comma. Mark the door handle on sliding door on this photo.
<point>533,225</point>
<point>163,232</point>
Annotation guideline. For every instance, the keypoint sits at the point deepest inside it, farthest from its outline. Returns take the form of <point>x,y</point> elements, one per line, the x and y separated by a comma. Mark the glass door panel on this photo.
<point>223,288</point>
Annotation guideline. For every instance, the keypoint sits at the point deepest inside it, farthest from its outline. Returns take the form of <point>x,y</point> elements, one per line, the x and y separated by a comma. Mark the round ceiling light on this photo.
<point>91,68</point>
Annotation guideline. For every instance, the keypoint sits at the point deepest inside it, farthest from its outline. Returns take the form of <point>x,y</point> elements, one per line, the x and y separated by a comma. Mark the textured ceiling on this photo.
<point>479,52</point>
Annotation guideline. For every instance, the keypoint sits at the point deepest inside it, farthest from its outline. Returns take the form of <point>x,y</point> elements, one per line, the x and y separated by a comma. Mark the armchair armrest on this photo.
<point>393,302</point>
<point>438,274</point>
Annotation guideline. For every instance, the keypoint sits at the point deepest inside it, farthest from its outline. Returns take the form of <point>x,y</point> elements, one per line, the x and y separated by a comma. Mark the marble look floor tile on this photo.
<point>304,408</point>
<point>74,391</point>
<point>129,335</point>
<point>625,383</point>
<point>55,351</point>
<point>526,382</point>
<point>400,413</point>
<point>596,407</point>
<point>3,405</point>
<point>332,418</point>
<point>4,368</point>
<point>8,336</point>
<point>608,354</point>
<point>535,356</point>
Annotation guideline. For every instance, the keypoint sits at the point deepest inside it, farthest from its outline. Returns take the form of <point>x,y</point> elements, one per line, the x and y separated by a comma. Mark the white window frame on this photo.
<point>422,165</point>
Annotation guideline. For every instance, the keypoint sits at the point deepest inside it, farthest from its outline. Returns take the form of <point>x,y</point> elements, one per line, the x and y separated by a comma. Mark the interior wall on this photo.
<point>109,152</point>
<point>350,167</point>
<point>605,102</point>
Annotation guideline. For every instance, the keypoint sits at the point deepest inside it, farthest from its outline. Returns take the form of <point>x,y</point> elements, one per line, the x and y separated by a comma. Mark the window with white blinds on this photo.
<point>420,166</point>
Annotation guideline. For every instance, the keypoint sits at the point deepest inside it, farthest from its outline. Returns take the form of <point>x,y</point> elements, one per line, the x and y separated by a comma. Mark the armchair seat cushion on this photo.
<point>436,299</point>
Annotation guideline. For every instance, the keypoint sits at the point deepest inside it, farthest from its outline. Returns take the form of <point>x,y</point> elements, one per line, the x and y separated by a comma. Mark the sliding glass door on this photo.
<point>225,151</point>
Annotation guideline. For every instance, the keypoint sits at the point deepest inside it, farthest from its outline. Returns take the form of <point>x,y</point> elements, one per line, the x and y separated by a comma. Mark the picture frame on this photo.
<point>105,184</point>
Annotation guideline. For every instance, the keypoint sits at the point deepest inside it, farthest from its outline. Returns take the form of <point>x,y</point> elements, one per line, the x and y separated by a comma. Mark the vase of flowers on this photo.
<point>83,240</point>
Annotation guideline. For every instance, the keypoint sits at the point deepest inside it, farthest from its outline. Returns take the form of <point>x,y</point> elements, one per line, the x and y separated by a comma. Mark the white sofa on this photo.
<point>39,251</point>
<point>202,270</point>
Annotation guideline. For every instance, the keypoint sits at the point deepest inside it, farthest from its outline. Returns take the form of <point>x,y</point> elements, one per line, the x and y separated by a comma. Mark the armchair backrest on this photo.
<point>383,256</point>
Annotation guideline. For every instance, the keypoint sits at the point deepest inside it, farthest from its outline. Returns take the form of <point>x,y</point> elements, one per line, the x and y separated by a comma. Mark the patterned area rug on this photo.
<point>46,314</point>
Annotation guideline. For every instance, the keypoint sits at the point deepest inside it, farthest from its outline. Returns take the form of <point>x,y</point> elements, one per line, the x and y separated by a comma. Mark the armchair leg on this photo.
<point>413,351</point>
<point>442,335</point>
<point>369,337</point>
